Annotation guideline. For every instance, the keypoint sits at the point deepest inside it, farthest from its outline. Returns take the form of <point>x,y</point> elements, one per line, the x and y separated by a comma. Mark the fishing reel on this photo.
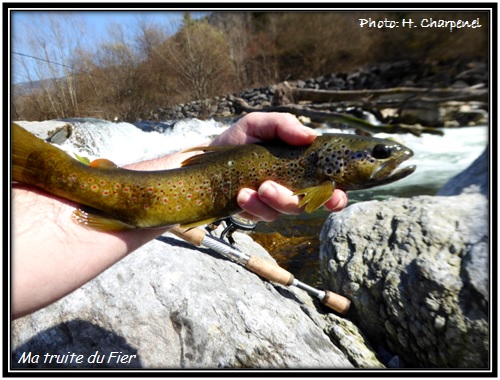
<point>233,223</point>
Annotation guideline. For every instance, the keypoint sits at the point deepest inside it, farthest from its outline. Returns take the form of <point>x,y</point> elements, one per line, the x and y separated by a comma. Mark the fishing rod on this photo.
<point>56,63</point>
<point>260,266</point>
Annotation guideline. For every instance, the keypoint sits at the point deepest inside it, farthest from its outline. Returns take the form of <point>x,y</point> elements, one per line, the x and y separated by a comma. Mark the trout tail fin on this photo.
<point>26,147</point>
<point>22,143</point>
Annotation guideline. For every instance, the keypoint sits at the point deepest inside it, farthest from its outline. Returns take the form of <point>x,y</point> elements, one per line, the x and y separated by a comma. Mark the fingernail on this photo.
<point>316,133</point>
<point>243,196</point>
<point>343,202</point>
<point>267,190</point>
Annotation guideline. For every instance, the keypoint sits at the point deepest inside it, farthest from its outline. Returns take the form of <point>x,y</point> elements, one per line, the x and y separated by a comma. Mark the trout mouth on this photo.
<point>396,174</point>
<point>390,171</point>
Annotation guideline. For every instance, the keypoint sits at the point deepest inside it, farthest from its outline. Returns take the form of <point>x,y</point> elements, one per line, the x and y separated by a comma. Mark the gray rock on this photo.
<point>473,179</point>
<point>173,306</point>
<point>352,342</point>
<point>54,131</point>
<point>416,271</point>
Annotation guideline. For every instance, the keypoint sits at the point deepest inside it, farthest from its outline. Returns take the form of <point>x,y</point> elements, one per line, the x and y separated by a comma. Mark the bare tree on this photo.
<point>149,36</point>
<point>236,27</point>
<point>199,55</point>
<point>123,79</point>
<point>48,61</point>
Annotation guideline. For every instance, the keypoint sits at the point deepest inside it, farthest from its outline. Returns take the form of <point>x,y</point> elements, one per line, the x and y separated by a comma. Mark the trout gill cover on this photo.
<point>205,188</point>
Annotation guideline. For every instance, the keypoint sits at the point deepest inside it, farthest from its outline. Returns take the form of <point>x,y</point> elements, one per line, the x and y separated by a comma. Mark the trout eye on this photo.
<point>381,151</point>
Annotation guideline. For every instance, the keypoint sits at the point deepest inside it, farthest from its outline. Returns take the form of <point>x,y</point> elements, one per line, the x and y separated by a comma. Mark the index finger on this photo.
<point>262,126</point>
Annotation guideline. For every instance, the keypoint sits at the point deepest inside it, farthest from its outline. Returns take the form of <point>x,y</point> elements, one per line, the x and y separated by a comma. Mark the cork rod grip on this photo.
<point>194,236</point>
<point>269,270</point>
<point>336,302</point>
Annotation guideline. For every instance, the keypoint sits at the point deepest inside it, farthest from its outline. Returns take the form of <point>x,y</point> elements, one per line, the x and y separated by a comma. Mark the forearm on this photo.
<point>169,161</point>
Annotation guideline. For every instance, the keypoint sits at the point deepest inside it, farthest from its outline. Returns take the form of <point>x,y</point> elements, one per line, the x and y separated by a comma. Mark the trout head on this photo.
<point>355,162</point>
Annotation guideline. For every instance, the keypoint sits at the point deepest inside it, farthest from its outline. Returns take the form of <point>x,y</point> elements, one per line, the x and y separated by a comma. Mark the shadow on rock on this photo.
<point>76,344</point>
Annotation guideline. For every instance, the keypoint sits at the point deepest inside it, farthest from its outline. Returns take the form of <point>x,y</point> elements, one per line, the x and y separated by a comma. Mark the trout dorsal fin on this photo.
<point>208,152</point>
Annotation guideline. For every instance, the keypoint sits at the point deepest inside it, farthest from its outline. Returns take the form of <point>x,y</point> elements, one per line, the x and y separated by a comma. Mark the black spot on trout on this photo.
<point>206,187</point>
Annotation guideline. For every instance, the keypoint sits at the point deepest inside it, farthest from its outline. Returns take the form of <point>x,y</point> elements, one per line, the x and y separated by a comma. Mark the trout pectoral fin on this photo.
<point>317,196</point>
<point>99,222</point>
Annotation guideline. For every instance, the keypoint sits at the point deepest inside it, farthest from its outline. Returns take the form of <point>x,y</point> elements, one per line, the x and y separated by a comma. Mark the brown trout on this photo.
<point>206,187</point>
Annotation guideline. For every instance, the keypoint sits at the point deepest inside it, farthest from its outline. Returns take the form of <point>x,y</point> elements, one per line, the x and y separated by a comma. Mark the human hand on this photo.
<point>272,199</point>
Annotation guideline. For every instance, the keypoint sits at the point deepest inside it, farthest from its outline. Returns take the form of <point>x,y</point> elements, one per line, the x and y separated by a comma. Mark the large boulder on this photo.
<point>170,305</point>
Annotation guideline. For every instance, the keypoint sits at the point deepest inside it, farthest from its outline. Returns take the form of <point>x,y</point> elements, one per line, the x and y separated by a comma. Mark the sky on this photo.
<point>97,22</point>
<point>97,25</point>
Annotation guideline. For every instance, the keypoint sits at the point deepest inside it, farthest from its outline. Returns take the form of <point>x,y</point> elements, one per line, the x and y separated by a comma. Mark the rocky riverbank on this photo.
<point>414,108</point>
<point>174,306</point>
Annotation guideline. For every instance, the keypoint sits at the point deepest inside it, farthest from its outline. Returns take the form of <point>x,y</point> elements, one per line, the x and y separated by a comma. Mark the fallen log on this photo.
<point>397,93</point>
<point>335,117</point>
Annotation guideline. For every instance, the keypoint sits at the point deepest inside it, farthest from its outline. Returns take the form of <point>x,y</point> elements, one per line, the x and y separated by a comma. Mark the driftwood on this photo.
<point>335,117</point>
<point>392,94</point>
<point>320,106</point>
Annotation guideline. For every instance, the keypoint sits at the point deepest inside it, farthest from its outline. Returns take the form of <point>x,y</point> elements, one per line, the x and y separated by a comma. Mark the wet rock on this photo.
<point>416,271</point>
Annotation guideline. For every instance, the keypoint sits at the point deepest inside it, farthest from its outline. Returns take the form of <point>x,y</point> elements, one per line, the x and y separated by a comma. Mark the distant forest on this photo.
<point>225,52</point>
